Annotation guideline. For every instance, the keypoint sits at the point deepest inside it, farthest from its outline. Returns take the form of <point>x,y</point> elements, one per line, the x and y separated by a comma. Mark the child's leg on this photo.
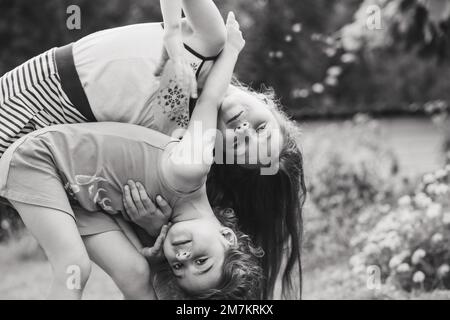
<point>58,235</point>
<point>115,254</point>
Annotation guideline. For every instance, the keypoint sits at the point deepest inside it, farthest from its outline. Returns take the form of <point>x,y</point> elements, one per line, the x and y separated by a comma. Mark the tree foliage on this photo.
<point>301,48</point>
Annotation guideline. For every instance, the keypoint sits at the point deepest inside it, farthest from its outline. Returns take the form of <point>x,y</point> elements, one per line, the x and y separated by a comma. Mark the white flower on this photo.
<point>404,267</point>
<point>443,270</point>
<point>419,277</point>
<point>5,225</point>
<point>395,261</point>
<point>300,93</point>
<point>441,174</point>
<point>404,201</point>
<point>331,81</point>
<point>438,237</point>
<point>349,58</point>
<point>318,88</point>
<point>434,211</point>
<point>297,28</point>
<point>288,38</point>
<point>422,200</point>
<point>418,255</point>
<point>279,54</point>
<point>446,218</point>
<point>351,37</point>
<point>330,52</point>
<point>335,71</point>
<point>442,189</point>
<point>371,249</point>
<point>429,178</point>
<point>431,188</point>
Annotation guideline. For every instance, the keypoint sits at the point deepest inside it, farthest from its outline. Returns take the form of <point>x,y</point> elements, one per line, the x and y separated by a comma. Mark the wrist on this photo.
<point>231,50</point>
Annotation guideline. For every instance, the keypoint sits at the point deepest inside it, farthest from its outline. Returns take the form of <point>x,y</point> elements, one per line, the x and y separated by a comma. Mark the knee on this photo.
<point>134,281</point>
<point>139,271</point>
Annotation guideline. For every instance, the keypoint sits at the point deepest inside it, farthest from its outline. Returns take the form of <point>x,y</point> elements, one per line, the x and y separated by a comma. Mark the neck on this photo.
<point>192,209</point>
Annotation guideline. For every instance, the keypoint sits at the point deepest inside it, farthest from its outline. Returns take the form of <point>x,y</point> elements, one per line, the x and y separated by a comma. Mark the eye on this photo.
<point>201,261</point>
<point>261,127</point>
<point>177,266</point>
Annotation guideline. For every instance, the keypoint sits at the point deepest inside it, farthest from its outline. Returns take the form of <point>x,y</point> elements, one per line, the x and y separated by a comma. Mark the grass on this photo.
<point>26,274</point>
<point>337,282</point>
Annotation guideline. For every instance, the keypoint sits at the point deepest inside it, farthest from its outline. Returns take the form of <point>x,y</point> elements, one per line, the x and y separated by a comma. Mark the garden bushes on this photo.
<point>349,172</point>
<point>411,243</point>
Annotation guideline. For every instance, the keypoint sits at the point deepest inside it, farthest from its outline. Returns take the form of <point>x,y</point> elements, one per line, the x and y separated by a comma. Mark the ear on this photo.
<point>229,236</point>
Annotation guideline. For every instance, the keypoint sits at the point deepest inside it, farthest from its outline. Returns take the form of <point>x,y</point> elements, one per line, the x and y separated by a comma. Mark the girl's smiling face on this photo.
<point>249,128</point>
<point>195,251</point>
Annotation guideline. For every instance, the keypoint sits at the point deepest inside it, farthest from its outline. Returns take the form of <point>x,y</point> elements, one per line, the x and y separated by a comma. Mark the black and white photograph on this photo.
<point>231,150</point>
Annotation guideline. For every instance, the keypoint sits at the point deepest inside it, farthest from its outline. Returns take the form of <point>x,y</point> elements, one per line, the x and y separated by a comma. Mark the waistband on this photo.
<point>70,81</point>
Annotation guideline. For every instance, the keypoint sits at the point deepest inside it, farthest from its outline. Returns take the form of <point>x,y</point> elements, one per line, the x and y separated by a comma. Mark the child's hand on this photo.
<point>174,50</point>
<point>235,39</point>
<point>141,210</point>
<point>156,252</point>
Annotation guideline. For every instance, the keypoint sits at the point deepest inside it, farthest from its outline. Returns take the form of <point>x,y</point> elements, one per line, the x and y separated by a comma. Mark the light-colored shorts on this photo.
<point>28,175</point>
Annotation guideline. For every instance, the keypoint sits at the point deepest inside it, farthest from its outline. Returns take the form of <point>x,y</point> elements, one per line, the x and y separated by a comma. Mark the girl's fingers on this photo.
<point>136,196</point>
<point>164,206</point>
<point>160,240</point>
<point>146,201</point>
<point>124,212</point>
<point>130,208</point>
<point>231,17</point>
<point>156,249</point>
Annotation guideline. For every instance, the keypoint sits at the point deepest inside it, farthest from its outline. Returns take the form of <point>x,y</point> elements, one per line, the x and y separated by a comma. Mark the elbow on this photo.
<point>217,39</point>
<point>221,37</point>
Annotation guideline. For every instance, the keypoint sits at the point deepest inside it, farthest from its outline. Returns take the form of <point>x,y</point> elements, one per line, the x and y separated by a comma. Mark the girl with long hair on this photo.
<point>117,75</point>
<point>91,162</point>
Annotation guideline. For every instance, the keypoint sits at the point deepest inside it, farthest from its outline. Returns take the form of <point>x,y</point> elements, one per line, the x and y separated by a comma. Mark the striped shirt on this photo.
<point>31,97</point>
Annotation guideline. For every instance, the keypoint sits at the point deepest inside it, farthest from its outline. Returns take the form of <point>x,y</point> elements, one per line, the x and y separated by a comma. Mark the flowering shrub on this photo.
<point>411,243</point>
<point>348,171</point>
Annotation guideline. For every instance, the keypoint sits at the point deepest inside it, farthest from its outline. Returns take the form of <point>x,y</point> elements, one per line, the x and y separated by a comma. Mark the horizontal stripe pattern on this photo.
<point>31,98</point>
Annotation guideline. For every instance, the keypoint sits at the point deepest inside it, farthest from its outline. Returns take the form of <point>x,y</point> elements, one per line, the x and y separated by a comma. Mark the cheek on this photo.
<point>228,138</point>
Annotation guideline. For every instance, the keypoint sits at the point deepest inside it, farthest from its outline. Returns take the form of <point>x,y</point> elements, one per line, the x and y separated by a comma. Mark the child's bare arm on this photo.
<point>191,159</point>
<point>174,47</point>
<point>207,24</point>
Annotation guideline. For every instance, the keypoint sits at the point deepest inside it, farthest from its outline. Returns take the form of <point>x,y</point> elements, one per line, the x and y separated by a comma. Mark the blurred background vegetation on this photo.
<point>298,47</point>
<point>368,81</point>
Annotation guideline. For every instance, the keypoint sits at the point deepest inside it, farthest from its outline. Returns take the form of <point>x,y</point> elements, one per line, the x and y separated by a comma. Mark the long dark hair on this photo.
<point>269,208</point>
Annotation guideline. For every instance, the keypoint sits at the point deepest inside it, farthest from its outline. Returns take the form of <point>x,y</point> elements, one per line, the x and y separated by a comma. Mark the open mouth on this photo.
<point>235,117</point>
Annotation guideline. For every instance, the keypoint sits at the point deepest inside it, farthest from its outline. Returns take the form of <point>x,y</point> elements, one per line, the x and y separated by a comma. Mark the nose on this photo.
<point>183,255</point>
<point>242,128</point>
